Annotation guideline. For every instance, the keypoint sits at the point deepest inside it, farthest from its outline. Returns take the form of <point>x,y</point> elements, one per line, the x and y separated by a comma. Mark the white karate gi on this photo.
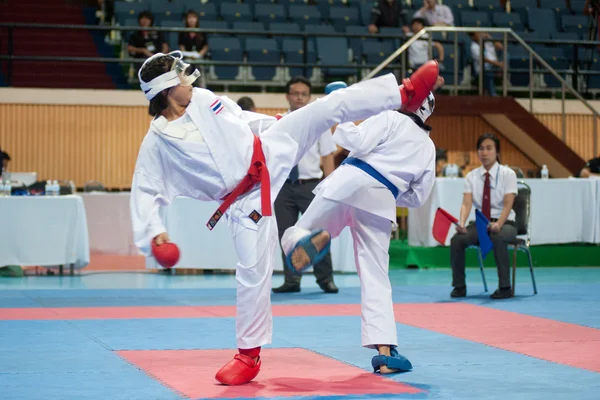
<point>402,152</point>
<point>168,167</point>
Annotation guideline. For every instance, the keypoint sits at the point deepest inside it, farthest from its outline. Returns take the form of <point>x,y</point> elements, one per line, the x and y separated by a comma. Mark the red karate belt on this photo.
<point>257,173</point>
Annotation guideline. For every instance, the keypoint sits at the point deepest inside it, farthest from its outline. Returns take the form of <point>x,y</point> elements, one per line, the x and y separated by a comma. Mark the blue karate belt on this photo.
<point>372,172</point>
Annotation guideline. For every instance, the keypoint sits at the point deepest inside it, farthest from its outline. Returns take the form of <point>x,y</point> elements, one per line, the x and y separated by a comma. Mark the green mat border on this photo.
<point>564,255</point>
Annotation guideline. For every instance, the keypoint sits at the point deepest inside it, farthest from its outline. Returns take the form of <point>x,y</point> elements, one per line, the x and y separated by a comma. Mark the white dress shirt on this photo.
<point>440,13</point>
<point>503,180</point>
<point>309,166</point>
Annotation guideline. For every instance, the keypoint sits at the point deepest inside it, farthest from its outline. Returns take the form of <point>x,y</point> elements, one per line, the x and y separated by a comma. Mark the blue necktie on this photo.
<point>294,174</point>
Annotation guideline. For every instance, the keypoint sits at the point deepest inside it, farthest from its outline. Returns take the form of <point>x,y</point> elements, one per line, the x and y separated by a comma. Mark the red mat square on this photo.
<point>284,372</point>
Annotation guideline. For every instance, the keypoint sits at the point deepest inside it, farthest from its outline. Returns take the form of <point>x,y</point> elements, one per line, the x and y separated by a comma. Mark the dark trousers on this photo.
<point>461,241</point>
<point>291,201</point>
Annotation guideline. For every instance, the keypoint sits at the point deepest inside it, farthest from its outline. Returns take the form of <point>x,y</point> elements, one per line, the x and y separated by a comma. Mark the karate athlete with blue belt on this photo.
<point>391,164</point>
<point>203,146</point>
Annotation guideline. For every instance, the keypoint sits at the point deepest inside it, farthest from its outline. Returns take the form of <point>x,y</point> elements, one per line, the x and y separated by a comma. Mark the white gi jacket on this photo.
<point>167,167</point>
<point>400,150</point>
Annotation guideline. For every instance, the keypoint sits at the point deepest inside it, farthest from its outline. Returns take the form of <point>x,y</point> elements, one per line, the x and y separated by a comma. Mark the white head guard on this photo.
<point>426,108</point>
<point>181,73</point>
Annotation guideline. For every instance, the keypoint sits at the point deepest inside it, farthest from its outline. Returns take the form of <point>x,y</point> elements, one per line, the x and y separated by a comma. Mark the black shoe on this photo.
<point>287,288</point>
<point>329,287</point>
<point>459,292</point>
<point>502,293</point>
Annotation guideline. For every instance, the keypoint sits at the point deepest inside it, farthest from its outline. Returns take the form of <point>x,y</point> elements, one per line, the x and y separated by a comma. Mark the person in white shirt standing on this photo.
<point>391,164</point>
<point>492,189</point>
<point>490,60</point>
<point>297,191</point>
<point>203,146</point>
<point>435,14</point>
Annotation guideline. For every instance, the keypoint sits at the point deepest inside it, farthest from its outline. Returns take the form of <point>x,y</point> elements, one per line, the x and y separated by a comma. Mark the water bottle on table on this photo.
<point>545,173</point>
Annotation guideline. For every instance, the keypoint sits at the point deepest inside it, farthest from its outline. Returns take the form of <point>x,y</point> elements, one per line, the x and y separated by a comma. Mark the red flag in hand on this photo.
<point>441,225</point>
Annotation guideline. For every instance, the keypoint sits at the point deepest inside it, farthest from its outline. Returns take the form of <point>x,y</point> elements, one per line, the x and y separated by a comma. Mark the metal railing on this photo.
<point>505,33</point>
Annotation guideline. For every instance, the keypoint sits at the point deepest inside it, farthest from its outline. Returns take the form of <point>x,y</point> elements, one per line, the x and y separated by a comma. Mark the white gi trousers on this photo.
<point>371,240</point>
<point>257,244</point>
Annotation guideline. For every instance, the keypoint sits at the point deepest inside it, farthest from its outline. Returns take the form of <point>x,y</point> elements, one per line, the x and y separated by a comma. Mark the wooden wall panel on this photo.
<point>459,136</point>
<point>579,132</point>
<point>83,143</point>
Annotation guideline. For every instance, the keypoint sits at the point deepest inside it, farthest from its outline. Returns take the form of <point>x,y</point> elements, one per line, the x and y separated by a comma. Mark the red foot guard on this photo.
<point>242,369</point>
<point>416,88</point>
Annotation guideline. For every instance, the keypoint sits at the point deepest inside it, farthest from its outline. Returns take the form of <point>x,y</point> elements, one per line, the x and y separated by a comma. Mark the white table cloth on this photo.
<point>185,220</point>
<point>562,211</point>
<point>109,223</point>
<point>45,231</point>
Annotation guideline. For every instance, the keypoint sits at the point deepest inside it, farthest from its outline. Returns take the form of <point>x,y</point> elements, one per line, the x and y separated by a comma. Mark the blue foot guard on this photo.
<point>314,255</point>
<point>394,361</point>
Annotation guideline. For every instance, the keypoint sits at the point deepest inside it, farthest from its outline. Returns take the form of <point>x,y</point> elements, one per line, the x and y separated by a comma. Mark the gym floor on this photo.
<point>139,335</point>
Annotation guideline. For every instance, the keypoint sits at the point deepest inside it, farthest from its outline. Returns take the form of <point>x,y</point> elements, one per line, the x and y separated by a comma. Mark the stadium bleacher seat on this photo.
<point>172,38</point>
<point>504,20</point>
<point>284,27</point>
<point>487,5</point>
<point>164,11</point>
<point>226,49</point>
<point>575,23</point>
<point>542,21</point>
<point>270,13</point>
<point>475,18</point>
<point>125,10</point>
<point>342,16</point>
<point>334,50</point>
<point>293,51</point>
<point>559,6</point>
<point>356,43</point>
<point>206,12</point>
<point>215,25</point>
<point>304,14</point>
<point>263,50</point>
<point>251,27</point>
<point>236,12</point>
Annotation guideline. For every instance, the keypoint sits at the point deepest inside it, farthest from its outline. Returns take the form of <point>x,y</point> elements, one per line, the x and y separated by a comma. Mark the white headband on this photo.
<point>174,77</point>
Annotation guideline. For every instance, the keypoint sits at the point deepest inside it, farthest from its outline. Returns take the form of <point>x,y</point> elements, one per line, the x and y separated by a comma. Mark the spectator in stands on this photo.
<point>418,52</point>
<point>4,160</point>
<point>194,42</point>
<point>388,13</point>
<point>591,169</point>
<point>491,188</point>
<point>297,191</point>
<point>490,59</point>
<point>247,104</point>
<point>146,43</point>
<point>435,14</point>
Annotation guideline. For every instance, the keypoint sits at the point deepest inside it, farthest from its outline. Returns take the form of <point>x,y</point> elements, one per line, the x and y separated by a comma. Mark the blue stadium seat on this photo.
<point>566,36</point>
<point>263,50</point>
<point>226,49</point>
<point>270,13</point>
<point>376,53</point>
<point>575,23</point>
<point>206,11</point>
<point>555,57</point>
<point>397,32</point>
<point>559,6</point>
<point>522,7</point>
<point>365,12</point>
<point>577,6</point>
<point>172,38</point>
<point>318,29</point>
<point>356,43</point>
<point>303,14</point>
<point>284,27</point>
<point>333,50</point>
<point>448,63</point>
<point>504,20</point>
<point>487,5</point>
<point>326,5</point>
<point>215,25</point>
<point>293,51</point>
<point>124,10</point>
<point>542,21</point>
<point>164,11</point>
<point>344,16</point>
<point>236,12</point>
<point>251,27</point>
<point>475,18</point>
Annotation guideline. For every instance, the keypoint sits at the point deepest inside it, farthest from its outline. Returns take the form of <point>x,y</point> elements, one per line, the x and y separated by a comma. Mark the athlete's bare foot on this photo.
<point>385,351</point>
<point>300,258</point>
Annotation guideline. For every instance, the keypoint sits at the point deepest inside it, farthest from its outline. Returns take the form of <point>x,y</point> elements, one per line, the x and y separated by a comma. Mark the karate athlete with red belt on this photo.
<point>391,164</point>
<point>203,146</point>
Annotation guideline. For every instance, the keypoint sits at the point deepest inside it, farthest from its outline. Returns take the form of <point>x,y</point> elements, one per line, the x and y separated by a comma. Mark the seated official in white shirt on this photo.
<point>491,188</point>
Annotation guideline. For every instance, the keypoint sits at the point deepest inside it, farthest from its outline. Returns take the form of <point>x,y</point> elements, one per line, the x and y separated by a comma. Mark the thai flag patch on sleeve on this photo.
<point>217,106</point>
